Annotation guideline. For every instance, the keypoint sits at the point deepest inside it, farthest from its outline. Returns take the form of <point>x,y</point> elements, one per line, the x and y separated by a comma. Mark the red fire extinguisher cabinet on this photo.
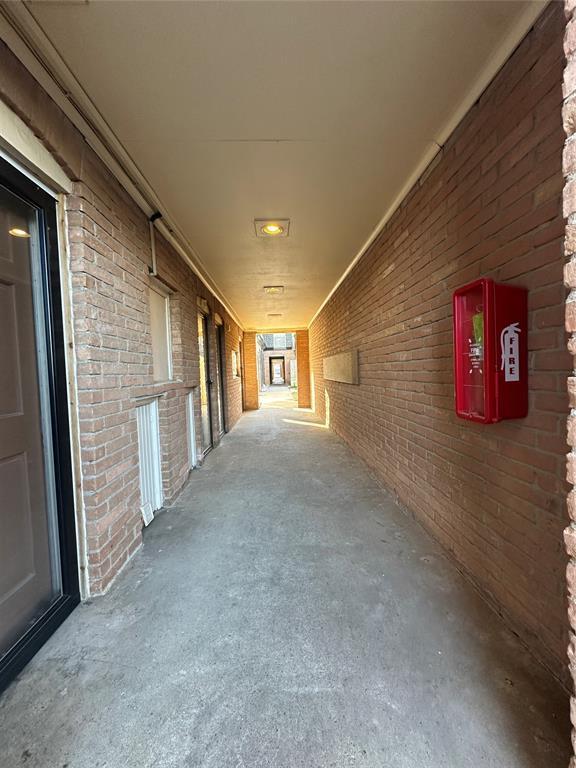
<point>491,351</point>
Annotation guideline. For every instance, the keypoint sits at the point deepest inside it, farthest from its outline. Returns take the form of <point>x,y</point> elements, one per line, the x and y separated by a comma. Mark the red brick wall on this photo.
<point>569,168</point>
<point>251,382</point>
<point>109,254</point>
<point>303,368</point>
<point>233,383</point>
<point>488,206</point>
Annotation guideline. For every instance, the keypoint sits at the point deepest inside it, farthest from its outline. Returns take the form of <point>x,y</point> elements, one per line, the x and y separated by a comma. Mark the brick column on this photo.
<point>251,388</point>
<point>569,204</point>
<point>303,369</point>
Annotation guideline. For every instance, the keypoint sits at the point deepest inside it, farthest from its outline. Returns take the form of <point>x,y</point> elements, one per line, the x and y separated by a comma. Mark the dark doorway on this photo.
<point>221,378</point>
<point>241,373</point>
<point>38,563</point>
<point>205,384</point>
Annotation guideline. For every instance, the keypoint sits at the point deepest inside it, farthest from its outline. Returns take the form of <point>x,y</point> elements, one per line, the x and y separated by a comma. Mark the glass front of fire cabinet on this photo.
<point>472,352</point>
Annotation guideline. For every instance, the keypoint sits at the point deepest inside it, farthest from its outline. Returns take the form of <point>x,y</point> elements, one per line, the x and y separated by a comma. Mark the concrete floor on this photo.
<point>284,613</point>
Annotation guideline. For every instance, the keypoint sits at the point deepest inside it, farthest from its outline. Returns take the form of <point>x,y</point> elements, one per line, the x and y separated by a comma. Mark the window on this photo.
<point>235,372</point>
<point>279,341</point>
<point>160,331</point>
<point>151,496</point>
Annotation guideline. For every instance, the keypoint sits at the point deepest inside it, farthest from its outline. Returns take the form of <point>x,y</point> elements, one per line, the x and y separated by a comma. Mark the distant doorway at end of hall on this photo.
<point>277,372</point>
<point>276,355</point>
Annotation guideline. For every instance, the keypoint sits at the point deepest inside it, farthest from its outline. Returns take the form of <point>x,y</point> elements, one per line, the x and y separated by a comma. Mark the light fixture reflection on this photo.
<point>17,232</point>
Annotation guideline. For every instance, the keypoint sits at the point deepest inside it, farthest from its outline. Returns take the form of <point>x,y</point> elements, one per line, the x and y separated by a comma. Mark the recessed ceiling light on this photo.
<point>271,227</point>
<point>17,232</point>
<point>273,289</point>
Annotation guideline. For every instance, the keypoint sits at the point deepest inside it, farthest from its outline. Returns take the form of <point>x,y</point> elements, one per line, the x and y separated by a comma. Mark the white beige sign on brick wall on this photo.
<point>342,367</point>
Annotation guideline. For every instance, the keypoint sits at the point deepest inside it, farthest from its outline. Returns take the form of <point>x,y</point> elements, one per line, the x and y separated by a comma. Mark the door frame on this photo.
<point>190,420</point>
<point>241,372</point>
<point>271,365</point>
<point>22,186</point>
<point>209,380</point>
<point>221,353</point>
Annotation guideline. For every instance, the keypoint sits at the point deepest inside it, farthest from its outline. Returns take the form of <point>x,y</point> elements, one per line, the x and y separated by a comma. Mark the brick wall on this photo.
<point>109,254</point>
<point>233,383</point>
<point>489,205</point>
<point>569,168</point>
<point>251,382</point>
<point>303,369</point>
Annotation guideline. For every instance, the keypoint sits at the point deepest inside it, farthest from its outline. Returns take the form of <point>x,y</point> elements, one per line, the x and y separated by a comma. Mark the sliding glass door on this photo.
<point>38,577</point>
<point>205,384</point>
<point>221,377</point>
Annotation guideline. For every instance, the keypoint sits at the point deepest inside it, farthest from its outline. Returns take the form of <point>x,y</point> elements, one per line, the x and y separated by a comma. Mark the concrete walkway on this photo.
<point>284,614</point>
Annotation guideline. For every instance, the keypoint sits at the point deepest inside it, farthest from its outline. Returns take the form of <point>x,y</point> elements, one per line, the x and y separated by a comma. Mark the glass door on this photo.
<point>241,372</point>
<point>205,384</point>
<point>220,377</point>
<point>38,577</point>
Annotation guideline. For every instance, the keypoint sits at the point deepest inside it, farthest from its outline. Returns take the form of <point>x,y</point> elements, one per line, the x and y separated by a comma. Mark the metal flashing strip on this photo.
<point>23,150</point>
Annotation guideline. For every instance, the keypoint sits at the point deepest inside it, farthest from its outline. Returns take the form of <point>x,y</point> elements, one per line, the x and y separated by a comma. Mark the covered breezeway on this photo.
<point>284,294</point>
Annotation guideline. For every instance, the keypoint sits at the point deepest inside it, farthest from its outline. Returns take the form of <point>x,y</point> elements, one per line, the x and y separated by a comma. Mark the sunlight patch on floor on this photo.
<point>305,423</point>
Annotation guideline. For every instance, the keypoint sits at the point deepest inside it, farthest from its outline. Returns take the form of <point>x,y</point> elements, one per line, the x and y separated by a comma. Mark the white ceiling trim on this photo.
<point>26,39</point>
<point>500,57</point>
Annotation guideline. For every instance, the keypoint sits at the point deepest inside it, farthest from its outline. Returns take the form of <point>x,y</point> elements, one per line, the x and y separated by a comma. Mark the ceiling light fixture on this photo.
<point>274,314</point>
<point>17,232</point>
<point>273,289</point>
<point>271,227</point>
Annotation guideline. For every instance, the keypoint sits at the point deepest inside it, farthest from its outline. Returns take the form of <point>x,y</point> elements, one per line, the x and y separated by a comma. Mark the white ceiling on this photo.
<point>315,111</point>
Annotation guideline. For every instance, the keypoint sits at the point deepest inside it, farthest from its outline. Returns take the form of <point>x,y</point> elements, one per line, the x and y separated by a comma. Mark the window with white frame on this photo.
<point>160,332</point>
<point>235,370</point>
